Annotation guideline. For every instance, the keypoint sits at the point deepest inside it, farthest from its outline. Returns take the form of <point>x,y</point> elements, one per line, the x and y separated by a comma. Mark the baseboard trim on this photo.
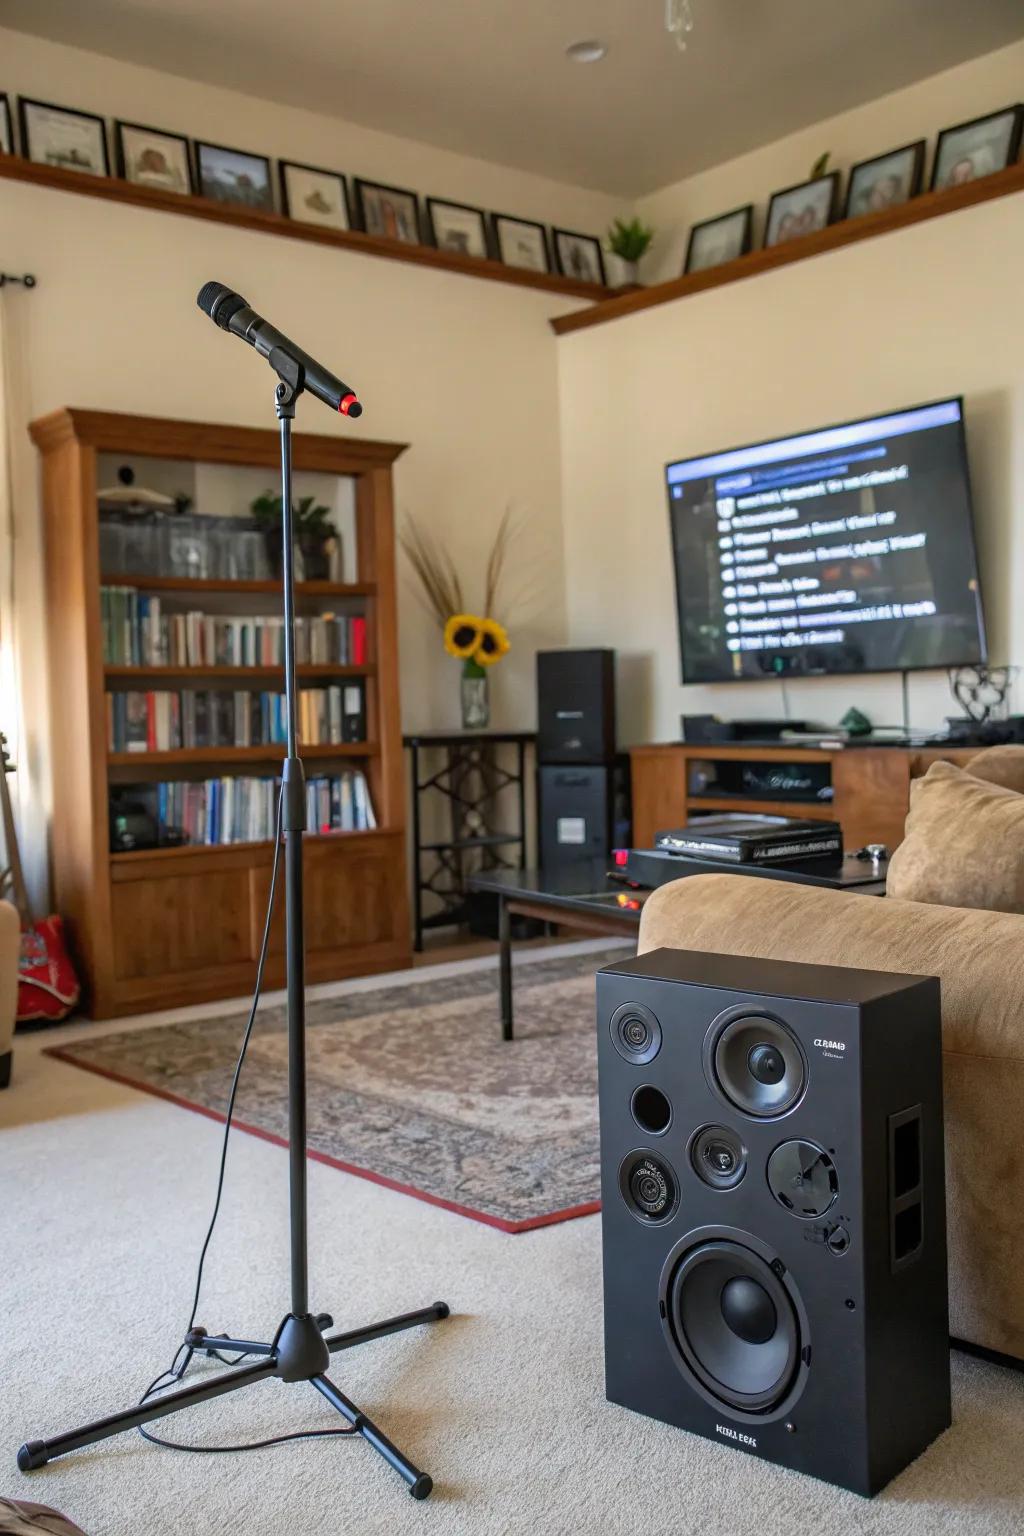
<point>993,1356</point>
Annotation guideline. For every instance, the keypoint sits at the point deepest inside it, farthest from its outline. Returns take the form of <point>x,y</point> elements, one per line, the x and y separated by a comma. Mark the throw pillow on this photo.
<point>963,845</point>
<point>1000,765</point>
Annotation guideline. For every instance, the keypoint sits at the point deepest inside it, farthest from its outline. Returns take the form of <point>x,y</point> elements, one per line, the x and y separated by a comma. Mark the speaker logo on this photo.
<point>831,1045</point>
<point>735,1434</point>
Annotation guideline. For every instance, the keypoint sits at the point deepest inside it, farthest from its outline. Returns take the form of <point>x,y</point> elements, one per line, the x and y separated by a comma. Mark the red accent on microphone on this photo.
<point>347,403</point>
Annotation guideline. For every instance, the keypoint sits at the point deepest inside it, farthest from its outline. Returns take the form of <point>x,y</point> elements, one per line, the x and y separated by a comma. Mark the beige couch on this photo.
<point>979,957</point>
<point>10,939</point>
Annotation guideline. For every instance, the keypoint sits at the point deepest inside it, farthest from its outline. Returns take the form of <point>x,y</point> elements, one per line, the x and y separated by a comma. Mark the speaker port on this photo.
<point>651,1110</point>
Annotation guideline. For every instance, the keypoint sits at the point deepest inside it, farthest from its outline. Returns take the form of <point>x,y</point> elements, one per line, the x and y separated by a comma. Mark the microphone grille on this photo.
<point>219,303</point>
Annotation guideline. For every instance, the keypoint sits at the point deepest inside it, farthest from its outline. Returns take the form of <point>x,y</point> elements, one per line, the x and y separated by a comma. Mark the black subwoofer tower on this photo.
<point>582,782</point>
<point>773,1208</point>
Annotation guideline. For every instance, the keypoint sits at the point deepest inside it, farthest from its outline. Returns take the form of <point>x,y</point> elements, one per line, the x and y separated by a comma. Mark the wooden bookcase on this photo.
<point>173,925</point>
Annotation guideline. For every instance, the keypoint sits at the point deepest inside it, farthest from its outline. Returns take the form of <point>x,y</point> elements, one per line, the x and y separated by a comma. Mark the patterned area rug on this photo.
<point>411,1086</point>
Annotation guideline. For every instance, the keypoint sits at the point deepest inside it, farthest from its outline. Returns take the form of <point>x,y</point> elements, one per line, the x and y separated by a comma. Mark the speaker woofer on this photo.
<point>733,1325</point>
<point>755,1063</point>
<point>636,1033</point>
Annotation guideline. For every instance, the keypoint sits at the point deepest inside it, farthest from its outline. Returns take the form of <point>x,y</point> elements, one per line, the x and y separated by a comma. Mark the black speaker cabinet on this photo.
<point>582,812</point>
<point>575,706</point>
<point>774,1208</point>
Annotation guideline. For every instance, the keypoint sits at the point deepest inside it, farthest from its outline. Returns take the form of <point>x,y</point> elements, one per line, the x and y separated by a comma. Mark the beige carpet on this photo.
<point>102,1194</point>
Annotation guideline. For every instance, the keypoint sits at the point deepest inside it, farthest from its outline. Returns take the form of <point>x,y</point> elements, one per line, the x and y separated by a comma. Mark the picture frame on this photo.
<point>802,209</point>
<point>458,227</point>
<point>970,150</point>
<point>152,157</point>
<point>235,178</point>
<point>6,126</point>
<point>885,181</point>
<point>579,256</point>
<point>521,242</point>
<point>63,137</point>
<point>391,213</point>
<point>310,195</point>
<point>718,240</point>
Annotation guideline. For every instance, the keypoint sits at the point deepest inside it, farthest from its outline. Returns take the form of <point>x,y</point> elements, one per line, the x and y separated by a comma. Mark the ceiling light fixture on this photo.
<point>679,21</point>
<point>589,51</point>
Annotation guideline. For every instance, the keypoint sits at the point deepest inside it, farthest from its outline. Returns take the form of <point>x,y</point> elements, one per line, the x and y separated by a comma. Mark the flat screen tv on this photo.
<point>848,549</point>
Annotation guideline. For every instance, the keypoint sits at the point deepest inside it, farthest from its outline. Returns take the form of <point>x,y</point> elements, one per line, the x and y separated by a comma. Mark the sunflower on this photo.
<point>493,642</point>
<point>463,634</point>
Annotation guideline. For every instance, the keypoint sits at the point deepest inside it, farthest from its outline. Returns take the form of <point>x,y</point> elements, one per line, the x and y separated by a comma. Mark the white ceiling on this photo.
<point>490,78</point>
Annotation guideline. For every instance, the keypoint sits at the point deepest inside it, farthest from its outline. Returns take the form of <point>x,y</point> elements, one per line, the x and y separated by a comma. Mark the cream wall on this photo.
<point>918,112</point>
<point>927,311</point>
<point>464,371</point>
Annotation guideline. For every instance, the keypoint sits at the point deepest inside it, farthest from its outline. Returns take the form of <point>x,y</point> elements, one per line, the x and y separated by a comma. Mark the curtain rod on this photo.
<point>8,277</point>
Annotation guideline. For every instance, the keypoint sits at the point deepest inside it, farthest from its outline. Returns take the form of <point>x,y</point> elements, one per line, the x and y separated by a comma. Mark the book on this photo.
<point>243,809</point>
<point>137,631</point>
<point>743,839</point>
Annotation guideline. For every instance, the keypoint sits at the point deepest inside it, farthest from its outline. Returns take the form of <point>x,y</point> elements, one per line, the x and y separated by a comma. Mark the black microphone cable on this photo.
<point>179,1365</point>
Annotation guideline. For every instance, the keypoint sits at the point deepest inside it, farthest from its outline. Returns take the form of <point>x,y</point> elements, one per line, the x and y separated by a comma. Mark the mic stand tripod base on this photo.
<point>299,1352</point>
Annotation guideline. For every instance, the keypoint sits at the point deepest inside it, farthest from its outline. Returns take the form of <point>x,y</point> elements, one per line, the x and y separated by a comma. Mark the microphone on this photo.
<point>230,311</point>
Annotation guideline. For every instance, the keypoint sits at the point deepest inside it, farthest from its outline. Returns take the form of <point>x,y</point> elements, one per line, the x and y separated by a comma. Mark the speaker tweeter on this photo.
<point>636,1033</point>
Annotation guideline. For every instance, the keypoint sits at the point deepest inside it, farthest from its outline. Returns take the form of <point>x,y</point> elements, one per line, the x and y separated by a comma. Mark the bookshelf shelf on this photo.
<point>161,927</point>
<point>309,671</point>
<point>201,586</point>
<point>235,850</point>
<point>228,757</point>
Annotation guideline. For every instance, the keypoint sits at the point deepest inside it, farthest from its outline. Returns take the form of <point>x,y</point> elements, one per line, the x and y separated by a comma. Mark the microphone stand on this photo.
<point>301,1348</point>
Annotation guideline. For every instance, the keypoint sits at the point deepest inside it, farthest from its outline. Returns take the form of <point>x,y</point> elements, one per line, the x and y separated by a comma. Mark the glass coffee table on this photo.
<point>586,898</point>
<point>582,897</point>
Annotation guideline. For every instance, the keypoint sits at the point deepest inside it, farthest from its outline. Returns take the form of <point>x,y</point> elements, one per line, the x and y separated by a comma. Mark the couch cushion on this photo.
<point>1000,765</point>
<point>17,1518</point>
<point>964,843</point>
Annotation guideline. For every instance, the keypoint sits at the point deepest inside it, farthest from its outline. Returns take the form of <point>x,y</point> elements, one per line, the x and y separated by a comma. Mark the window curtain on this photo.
<point>23,689</point>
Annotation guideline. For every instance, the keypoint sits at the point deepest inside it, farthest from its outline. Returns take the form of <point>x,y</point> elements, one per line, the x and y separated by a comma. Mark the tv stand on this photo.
<point>866,788</point>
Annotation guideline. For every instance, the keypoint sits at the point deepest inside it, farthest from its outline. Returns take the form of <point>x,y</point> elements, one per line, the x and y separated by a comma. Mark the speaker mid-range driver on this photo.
<point>718,1156</point>
<point>755,1063</point>
<point>649,1186</point>
<point>733,1326</point>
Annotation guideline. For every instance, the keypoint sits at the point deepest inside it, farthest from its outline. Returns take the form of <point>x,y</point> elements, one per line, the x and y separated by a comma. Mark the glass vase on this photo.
<point>476,703</point>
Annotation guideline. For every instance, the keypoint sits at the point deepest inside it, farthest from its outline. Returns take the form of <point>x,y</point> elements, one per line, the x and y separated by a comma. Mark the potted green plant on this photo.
<point>626,243</point>
<point>313,533</point>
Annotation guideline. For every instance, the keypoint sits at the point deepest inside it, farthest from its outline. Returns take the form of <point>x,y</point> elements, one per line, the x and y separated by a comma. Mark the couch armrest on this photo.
<point>979,959</point>
<point>978,956</point>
